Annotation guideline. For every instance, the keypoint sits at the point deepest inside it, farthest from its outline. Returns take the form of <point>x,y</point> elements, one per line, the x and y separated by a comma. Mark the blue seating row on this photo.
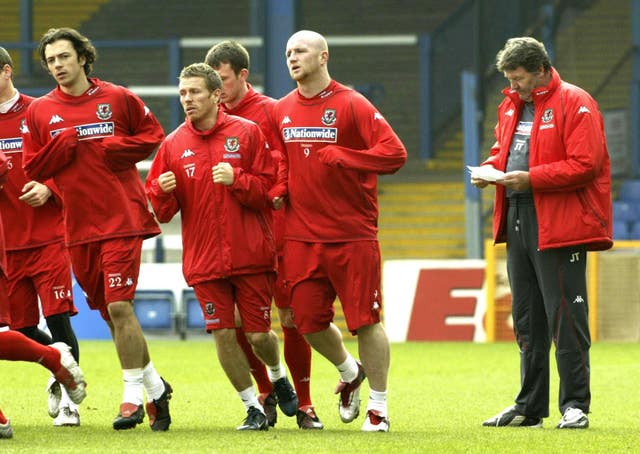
<point>158,311</point>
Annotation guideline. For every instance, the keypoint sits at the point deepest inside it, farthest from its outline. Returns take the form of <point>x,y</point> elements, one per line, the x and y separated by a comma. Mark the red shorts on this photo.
<point>317,272</point>
<point>45,272</point>
<point>5,309</point>
<point>252,293</point>
<point>107,270</point>
<point>281,293</point>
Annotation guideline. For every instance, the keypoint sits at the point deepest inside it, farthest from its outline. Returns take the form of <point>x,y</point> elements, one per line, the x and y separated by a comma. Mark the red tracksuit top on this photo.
<point>4,167</point>
<point>89,145</point>
<point>334,145</point>
<point>225,229</point>
<point>258,108</point>
<point>25,227</point>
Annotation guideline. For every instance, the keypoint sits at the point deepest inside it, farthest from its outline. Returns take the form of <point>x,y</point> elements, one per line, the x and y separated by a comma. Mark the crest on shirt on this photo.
<point>547,116</point>
<point>23,126</point>
<point>209,308</point>
<point>104,111</point>
<point>329,117</point>
<point>231,144</point>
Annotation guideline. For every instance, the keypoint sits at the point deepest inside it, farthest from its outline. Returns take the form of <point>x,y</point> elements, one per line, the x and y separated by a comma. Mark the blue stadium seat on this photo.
<point>620,230</point>
<point>624,211</point>
<point>155,309</point>
<point>634,232</point>
<point>630,191</point>
<point>194,317</point>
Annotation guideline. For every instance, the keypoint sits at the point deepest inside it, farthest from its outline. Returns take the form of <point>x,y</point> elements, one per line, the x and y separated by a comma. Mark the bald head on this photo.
<point>312,39</point>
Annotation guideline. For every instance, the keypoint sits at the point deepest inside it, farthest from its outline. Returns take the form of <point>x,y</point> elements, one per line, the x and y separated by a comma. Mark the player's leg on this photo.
<point>266,397</point>
<point>50,268</point>
<point>254,293</point>
<point>220,321</point>
<point>563,280</point>
<point>362,304</point>
<point>6,431</point>
<point>121,265</point>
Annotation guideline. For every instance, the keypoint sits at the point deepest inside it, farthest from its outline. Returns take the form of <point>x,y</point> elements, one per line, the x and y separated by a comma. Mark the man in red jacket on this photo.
<point>231,61</point>
<point>15,346</point>
<point>37,260</point>
<point>334,145</point>
<point>216,170</point>
<point>552,205</point>
<point>87,135</point>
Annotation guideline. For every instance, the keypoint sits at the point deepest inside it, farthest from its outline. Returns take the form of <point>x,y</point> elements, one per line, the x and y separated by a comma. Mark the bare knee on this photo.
<point>120,311</point>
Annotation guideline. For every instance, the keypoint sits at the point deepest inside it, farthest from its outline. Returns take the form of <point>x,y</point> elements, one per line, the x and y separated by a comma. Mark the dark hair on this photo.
<point>80,43</point>
<point>231,52</point>
<point>523,51</point>
<point>5,58</point>
<point>211,77</point>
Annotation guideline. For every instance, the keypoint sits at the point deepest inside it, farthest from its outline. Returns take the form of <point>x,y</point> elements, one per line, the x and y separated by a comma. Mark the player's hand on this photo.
<point>278,202</point>
<point>35,194</point>
<point>518,180</point>
<point>222,173</point>
<point>479,183</point>
<point>167,181</point>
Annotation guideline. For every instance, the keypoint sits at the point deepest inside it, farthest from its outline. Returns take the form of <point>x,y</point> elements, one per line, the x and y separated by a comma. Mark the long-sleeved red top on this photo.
<point>25,227</point>
<point>225,229</point>
<point>334,145</point>
<point>89,145</point>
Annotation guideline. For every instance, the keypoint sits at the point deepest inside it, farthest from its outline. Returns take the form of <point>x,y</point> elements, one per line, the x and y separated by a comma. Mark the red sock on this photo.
<point>3,418</point>
<point>15,346</point>
<point>258,369</point>
<point>297,354</point>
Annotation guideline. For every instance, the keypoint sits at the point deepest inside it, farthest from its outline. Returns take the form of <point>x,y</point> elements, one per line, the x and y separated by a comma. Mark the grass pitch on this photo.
<point>439,393</point>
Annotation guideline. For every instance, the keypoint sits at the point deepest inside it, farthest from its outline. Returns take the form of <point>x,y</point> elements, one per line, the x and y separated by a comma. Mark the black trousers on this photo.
<point>549,302</point>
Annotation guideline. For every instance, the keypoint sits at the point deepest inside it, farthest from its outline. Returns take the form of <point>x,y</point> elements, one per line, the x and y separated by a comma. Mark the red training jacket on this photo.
<point>333,146</point>
<point>569,166</point>
<point>25,227</point>
<point>89,145</point>
<point>225,229</point>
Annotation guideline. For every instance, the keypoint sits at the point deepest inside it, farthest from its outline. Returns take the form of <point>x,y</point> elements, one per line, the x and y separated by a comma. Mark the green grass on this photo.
<point>438,395</point>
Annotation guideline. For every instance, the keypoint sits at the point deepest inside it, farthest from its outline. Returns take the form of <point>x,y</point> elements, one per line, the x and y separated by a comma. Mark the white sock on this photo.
<point>153,384</point>
<point>378,401</point>
<point>133,387</point>
<point>249,399</point>
<point>348,370</point>
<point>276,372</point>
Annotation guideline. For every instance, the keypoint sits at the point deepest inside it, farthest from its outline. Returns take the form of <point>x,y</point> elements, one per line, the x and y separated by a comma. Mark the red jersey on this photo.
<point>25,227</point>
<point>89,145</point>
<point>225,229</point>
<point>258,108</point>
<point>333,146</point>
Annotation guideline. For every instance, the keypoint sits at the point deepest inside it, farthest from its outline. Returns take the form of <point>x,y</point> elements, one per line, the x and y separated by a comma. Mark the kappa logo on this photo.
<point>329,117</point>
<point>187,154</point>
<point>583,109</point>
<point>128,282</point>
<point>509,113</point>
<point>378,116</point>
<point>56,119</point>
<point>286,120</point>
<point>578,300</point>
<point>104,111</point>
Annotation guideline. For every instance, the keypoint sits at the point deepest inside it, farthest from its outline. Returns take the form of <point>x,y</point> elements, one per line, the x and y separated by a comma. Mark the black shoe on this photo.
<point>287,397</point>
<point>129,416</point>
<point>256,420</point>
<point>158,410</point>
<point>308,419</point>
<point>269,402</point>
<point>512,417</point>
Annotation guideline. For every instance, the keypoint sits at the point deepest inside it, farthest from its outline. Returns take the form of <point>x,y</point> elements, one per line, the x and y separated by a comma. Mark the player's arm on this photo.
<point>43,161</point>
<point>385,153</point>
<point>160,186</point>
<point>123,152</point>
